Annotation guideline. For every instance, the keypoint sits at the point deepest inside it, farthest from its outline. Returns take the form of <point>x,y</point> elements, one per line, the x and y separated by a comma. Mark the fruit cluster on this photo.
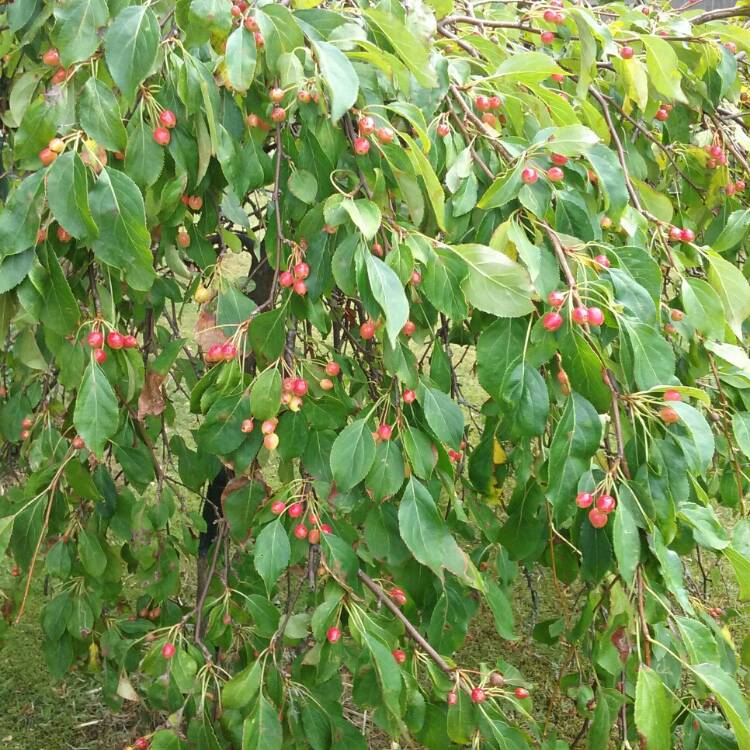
<point>114,340</point>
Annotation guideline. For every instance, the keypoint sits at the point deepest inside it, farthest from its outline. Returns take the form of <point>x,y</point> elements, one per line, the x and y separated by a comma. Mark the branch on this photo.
<point>715,15</point>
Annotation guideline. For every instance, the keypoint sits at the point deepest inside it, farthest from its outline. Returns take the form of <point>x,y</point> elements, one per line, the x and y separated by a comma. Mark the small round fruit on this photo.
<point>303,96</point>
<point>366,125</point>
<point>326,384</point>
<point>731,47</point>
<point>78,443</point>
<point>278,114</point>
<point>300,387</point>
<point>598,518</point>
<point>605,222</point>
<point>247,425</point>
<point>521,693</point>
<point>296,510</point>
<point>555,174</point>
<point>552,321</point>
<point>276,94</point>
<point>367,330</point>
<point>661,114</point>
<point>228,351</point>
<point>559,159</point>
<point>57,145</point>
<point>162,136</point>
<point>687,235</point>
<point>399,656</point>
<point>584,500</point>
<point>167,118</point>
<point>195,203</point>
<point>529,176</point>
<point>478,695</point>
<point>602,261</point>
<point>95,339</point>
<point>269,426</point>
<point>627,52</point>
<point>443,129</point>
<point>252,120</point>
<point>361,146</point>
<point>63,235</point>
<point>25,434</point>
<point>409,327</point>
<point>141,744</point>
<point>260,42</point>
<point>398,596</point>
<point>385,431</point>
<point>580,315</point>
<point>739,186</point>
<point>730,189</point>
<point>129,342</point>
<point>409,396</point>
<point>556,298</point>
<point>299,288</point>
<point>301,270</point>
<point>59,76</point>
<point>300,530</point>
<point>100,356</point>
<point>168,650</point>
<point>278,507</point>
<point>333,368</point>
<point>547,37</point>
<point>115,340</point>
<point>668,415</point>
<point>711,164</point>
<point>482,103</point>
<point>557,77</point>
<point>452,698</point>
<point>333,634</point>
<point>47,156</point>
<point>183,238</point>
<point>41,235</point>
<point>326,528</point>
<point>51,57</point>
<point>606,503</point>
<point>596,316</point>
<point>416,278</point>
<point>214,353</point>
<point>672,395</point>
<point>27,423</point>
<point>377,249</point>
<point>286,279</point>
<point>271,442</point>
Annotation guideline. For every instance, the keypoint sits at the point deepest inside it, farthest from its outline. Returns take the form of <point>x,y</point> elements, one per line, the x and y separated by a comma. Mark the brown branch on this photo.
<point>474,155</point>
<point>483,128</point>
<point>719,13</point>
<point>203,593</point>
<point>642,618</point>
<point>730,145</point>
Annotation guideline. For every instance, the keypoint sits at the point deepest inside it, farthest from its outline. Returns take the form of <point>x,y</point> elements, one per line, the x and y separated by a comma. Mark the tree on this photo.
<point>548,200</point>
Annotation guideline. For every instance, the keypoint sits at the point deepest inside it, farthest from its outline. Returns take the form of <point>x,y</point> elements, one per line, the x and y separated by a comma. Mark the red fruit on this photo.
<point>59,76</point>
<point>168,650</point>
<point>716,151</point>
<point>675,233</point>
<point>478,695</point>
<point>271,442</point>
<point>584,499</point>
<point>195,203</point>
<point>95,339</point>
<point>303,96</point>
<point>416,278</point>
<point>252,121</point>
<point>626,53</point>
<point>409,328</point>
<point>314,536</point>
<point>333,368</point>
<point>100,356</point>
<point>443,129</point>
<point>739,186</point>
<point>278,114</point>
<point>296,510</point>
<point>730,189</point>
<point>115,340</point>
<point>214,353</point>
<point>141,744</point>
<point>235,11</point>
<point>183,238</point>
<point>377,249</point>
<point>286,279</point>
<point>162,136</point>
<point>47,156</point>
<point>672,395</point>
<point>129,342</point>
<point>27,423</point>
<point>367,330</point>
<point>452,698</point>
<point>300,531</point>
<point>596,316</point>
<point>661,114</point>
<point>646,10</point>
<point>559,159</point>
<point>557,77</point>
<point>482,103</point>
<point>260,42</point>
<point>247,425</point>
<point>598,518</point>
<point>547,37</point>
<point>731,46</point>
<point>301,270</point>
<point>550,16</point>
<point>167,118</point>
<point>398,596</point>
<point>62,235</point>
<point>385,431</point>
<point>602,260</point>
<point>300,387</point>
<point>277,507</point>
<point>366,125</point>
<point>51,57</point>
<point>228,351</point>
<point>668,415</point>
<point>361,146</point>
<point>521,693</point>
<point>300,288</point>
<point>580,315</point>
<point>606,503</point>
<point>687,235</point>
<point>552,321</point>
<point>555,174</point>
<point>529,176</point>
<point>556,298</point>
<point>399,656</point>
<point>276,94</point>
<point>41,235</point>
<point>333,635</point>
<point>25,434</point>
<point>269,426</point>
<point>495,102</point>
<point>78,443</point>
<point>409,396</point>
<point>385,135</point>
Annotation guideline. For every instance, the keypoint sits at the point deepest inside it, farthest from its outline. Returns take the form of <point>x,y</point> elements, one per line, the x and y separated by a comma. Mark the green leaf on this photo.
<point>93,557</point>
<point>730,698</point>
<point>441,283</point>
<point>443,415</point>
<point>734,231</point>
<point>123,242</point>
<point>96,415</point>
<point>77,24</point>
<point>733,289</point>
<point>60,312</point>
<point>130,47</point>
<point>653,360</point>
<point>240,59</point>
<point>626,542</point>
<point>68,196</point>
<point>339,76</point>
<point>387,473</point>
<point>570,140</point>
<point>611,179</point>
<point>100,115</point>
<point>365,215</point>
<point>700,452</point>
<point>495,283</point>
<point>424,532</point>
<point>741,430</point>
<point>389,293</point>
<point>272,552</point>
<point>21,216</point>
<point>243,687</point>
<point>15,268</point>
<point>352,455</point>
<point>703,307</point>
<point>144,157</point>
<point>303,185</point>
<point>422,167</point>
<point>265,395</point>
<point>527,67</point>
<point>698,639</point>
<point>502,611</point>
<point>6,529</point>
<point>267,333</point>
<point>575,441</point>
<point>663,68</point>
<point>262,730</point>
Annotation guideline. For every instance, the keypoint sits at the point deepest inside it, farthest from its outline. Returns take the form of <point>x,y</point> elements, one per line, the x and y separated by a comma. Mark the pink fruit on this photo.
<point>385,431</point>
<point>552,321</point>
<point>584,499</point>
<point>529,176</point>
<point>606,503</point>
<point>555,174</point>
<point>277,507</point>
<point>168,650</point>
<point>598,518</point>
<point>626,53</point>
<point>115,340</point>
<point>333,369</point>
<point>361,146</point>
<point>333,635</point>
<point>672,395</point>
<point>167,118</point>
<point>409,396</point>
<point>95,339</point>
<point>478,695</point>
<point>596,316</point>
<point>580,315</point>
<point>556,298</point>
